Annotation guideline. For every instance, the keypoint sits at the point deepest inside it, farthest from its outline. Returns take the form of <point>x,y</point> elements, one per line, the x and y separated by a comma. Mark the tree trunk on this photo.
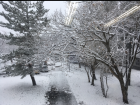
<point>124,91</point>
<point>102,86</point>
<point>33,80</point>
<point>31,75</point>
<point>95,65</point>
<point>93,75</point>
<point>79,65</point>
<point>69,66</point>
<point>88,77</point>
<point>126,68</point>
<point>87,71</point>
<point>129,77</point>
<point>129,72</point>
<point>92,82</point>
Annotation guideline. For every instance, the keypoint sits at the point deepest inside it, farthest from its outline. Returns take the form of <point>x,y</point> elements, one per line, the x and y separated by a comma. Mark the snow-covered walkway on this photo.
<point>59,91</point>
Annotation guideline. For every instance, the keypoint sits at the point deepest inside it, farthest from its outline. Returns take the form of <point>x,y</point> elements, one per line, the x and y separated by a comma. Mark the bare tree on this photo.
<point>88,24</point>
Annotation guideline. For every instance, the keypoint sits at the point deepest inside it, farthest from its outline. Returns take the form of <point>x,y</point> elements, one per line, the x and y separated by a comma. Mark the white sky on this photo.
<point>52,5</point>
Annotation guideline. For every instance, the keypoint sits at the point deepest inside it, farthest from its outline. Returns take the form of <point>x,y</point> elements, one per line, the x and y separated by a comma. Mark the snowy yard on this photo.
<point>16,91</point>
<point>92,95</point>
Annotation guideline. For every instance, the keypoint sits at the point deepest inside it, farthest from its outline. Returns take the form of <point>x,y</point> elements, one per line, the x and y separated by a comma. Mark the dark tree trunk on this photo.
<point>79,65</point>
<point>95,65</point>
<point>124,91</point>
<point>69,66</point>
<point>31,75</point>
<point>33,80</point>
<point>129,73</point>
<point>102,86</point>
<point>87,71</point>
<point>129,77</point>
<point>93,74</point>
<point>92,82</point>
<point>126,68</point>
<point>88,77</point>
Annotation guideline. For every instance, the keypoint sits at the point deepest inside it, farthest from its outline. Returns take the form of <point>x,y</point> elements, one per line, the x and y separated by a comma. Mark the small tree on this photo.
<point>26,18</point>
<point>94,65</point>
<point>104,74</point>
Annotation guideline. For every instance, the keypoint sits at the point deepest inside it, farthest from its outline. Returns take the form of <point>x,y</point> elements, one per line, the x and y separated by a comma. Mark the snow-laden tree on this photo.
<point>26,18</point>
<point>1,46</point>
<point>57,41</point>
<point>86,19</point>
<point>129,24</point>
<point>88,23</point>
<point>69,38</point>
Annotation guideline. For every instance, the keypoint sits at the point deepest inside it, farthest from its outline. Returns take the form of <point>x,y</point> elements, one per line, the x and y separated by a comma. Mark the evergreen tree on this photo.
<point>27,18</point>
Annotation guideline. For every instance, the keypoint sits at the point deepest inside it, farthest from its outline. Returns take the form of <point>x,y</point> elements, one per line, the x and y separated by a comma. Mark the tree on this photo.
<point>1,45</point>
<point>88,23</point>
<point>131,25</point>
<point>26,18</point>
<point>58,38</point>
<point>104,74</point>
<point>94,65</point>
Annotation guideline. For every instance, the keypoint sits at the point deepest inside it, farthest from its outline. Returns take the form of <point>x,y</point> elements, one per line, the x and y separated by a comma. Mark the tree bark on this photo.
<point>93,75</point>
<point>87,71</point>
<point>31,75</point>
<point>88,77</point>
<point>102,86</point>
<point>33,80</point>
<point>92,82</point>
<point>124,91</point>
<point>79,65</point>
<point>129,77</point>
<point>69,66</point>
<point>126,68</point>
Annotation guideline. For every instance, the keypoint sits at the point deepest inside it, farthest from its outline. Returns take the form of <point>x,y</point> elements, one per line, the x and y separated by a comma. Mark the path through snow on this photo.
<point>59,91</point>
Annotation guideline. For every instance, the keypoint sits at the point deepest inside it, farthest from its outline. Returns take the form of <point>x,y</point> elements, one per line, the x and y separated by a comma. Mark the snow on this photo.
<point>92,95</point>
<point>59,80</point>
<point>58,64</point>
<point>50,63</point>
<point>16,91</point>
<point>51,67</point>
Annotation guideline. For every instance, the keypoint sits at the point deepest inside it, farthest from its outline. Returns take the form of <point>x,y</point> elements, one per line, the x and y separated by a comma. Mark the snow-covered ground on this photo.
<point>92,95</point>
<point>16,91</point>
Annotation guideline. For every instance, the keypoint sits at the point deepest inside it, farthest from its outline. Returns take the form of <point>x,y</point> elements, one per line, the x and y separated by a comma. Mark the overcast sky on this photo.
<point>52,5</point>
